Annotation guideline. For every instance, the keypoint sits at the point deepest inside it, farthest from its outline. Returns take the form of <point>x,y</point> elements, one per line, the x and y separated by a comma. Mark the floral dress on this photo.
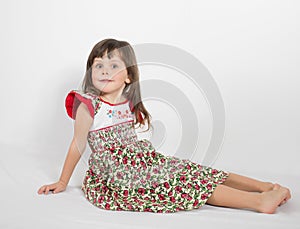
<point>125,173</point>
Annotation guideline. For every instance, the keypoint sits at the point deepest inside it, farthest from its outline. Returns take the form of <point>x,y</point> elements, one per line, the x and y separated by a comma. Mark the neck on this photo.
<point>113,98</point>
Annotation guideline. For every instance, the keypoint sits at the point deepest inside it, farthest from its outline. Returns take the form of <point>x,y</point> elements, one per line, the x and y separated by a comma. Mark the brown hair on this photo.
<point>132,90</point>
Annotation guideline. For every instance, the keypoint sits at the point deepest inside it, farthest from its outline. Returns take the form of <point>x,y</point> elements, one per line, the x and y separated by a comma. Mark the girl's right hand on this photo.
<point>55,188</point>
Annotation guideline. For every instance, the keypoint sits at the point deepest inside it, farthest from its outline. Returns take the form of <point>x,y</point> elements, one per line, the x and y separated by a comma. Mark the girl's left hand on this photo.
<point>55,188</point>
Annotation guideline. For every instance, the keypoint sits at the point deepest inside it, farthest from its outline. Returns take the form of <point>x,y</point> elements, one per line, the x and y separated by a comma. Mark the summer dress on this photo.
<point>129,174</point>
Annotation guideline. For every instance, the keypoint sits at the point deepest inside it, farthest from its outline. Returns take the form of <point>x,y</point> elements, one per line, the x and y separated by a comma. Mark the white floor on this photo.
<point>24,170</point>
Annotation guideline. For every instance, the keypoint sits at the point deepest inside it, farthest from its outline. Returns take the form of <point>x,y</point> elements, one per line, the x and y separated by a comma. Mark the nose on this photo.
<point>104,71</point>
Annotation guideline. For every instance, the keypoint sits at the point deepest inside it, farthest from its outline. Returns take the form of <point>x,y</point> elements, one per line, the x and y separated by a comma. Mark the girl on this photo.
<point>128,174</point>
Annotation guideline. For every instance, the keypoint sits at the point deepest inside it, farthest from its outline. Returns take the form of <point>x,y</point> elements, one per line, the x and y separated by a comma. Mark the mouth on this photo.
<point>106,81</point>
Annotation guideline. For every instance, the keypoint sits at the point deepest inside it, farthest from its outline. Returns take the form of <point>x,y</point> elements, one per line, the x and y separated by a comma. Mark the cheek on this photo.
<point>95,75</point>
<point>120,76</point>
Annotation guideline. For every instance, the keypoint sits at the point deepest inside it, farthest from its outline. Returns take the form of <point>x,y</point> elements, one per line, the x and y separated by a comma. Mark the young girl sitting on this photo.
<point>129,174</point>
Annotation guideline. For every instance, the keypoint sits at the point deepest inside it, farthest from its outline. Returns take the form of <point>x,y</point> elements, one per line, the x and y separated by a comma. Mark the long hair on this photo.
<point>132,90</point>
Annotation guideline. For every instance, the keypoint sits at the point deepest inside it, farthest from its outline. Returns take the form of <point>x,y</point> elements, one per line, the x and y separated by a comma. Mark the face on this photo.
<point>109,74</point>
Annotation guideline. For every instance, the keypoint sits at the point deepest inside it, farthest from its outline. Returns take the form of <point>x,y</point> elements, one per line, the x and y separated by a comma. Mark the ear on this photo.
<point>127,80</point>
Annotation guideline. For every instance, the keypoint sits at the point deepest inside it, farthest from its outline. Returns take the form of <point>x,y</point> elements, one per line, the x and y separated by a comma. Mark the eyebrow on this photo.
<point>112,59</point>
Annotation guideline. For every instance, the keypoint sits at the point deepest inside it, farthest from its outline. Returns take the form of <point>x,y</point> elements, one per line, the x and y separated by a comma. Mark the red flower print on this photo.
<point>104,189</point>
<point>214,171</point>
<point>170,193</point>
<point>100,199</point>
<point>141,203</point>
<point>110,111</point>
<point>181,167</point>
<point>184,195</point>
<point>173,170</point>
<point>133,162</point>
<point>154,184</point>
<point>119,175</point>
<point>152,191</point>
<point>172,199</point>
<point>189,185</point>
<point>153,154</point>
<point>125,193</point>
<point>183,179</point>
<point>119,112</point>
<point>173,162</point>
<point>204,196</point>
<point>116,195</point>
<point>148,176</point>
<point>204,181</point>
<point>166,184</point>
<point>125,160</point>
<point>188,167</point>
<point>209,186</point>
<point>161,196</point>
<point>141,191</point>
<point>162,160</point>
<point>178,189</point>
<point>135,177</point>
<point>196,203</point>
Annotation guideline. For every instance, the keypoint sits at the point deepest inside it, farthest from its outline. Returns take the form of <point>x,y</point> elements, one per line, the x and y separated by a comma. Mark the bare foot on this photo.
<point>272,199</point>
<point>277,187</point>
<point>267,186</point>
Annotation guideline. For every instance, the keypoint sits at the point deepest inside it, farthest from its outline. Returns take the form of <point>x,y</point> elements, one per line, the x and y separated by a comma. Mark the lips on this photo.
<point>105,81</point>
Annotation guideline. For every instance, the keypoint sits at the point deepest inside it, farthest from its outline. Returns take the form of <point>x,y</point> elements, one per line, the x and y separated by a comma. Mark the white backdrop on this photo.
<point>251,48</point>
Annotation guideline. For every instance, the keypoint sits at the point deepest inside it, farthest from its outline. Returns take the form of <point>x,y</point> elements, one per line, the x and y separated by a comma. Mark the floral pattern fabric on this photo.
<point>129,174</point>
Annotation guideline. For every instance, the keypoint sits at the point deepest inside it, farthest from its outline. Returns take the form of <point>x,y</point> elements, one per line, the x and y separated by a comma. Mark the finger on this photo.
<point>56,190</point>
<point>41,190</point>
<point>52,187</point>
<point>47,190</point>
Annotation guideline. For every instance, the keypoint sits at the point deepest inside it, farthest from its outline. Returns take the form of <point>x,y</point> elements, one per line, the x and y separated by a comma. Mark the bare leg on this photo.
<point>266,202</point>
<point>247,184</point>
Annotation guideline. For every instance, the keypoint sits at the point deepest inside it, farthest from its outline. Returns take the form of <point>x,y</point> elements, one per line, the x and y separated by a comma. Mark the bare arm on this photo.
<point>83,123</point>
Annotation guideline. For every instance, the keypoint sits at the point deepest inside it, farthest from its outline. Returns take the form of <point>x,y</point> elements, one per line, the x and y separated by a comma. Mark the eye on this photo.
<point>98,66</point>
<point>114,66</point>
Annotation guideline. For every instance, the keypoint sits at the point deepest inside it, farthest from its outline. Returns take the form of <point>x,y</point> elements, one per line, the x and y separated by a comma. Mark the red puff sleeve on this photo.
<point>73,100</point>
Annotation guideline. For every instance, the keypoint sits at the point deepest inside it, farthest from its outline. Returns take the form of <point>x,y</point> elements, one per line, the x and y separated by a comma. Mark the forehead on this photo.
<point>113,55</point>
